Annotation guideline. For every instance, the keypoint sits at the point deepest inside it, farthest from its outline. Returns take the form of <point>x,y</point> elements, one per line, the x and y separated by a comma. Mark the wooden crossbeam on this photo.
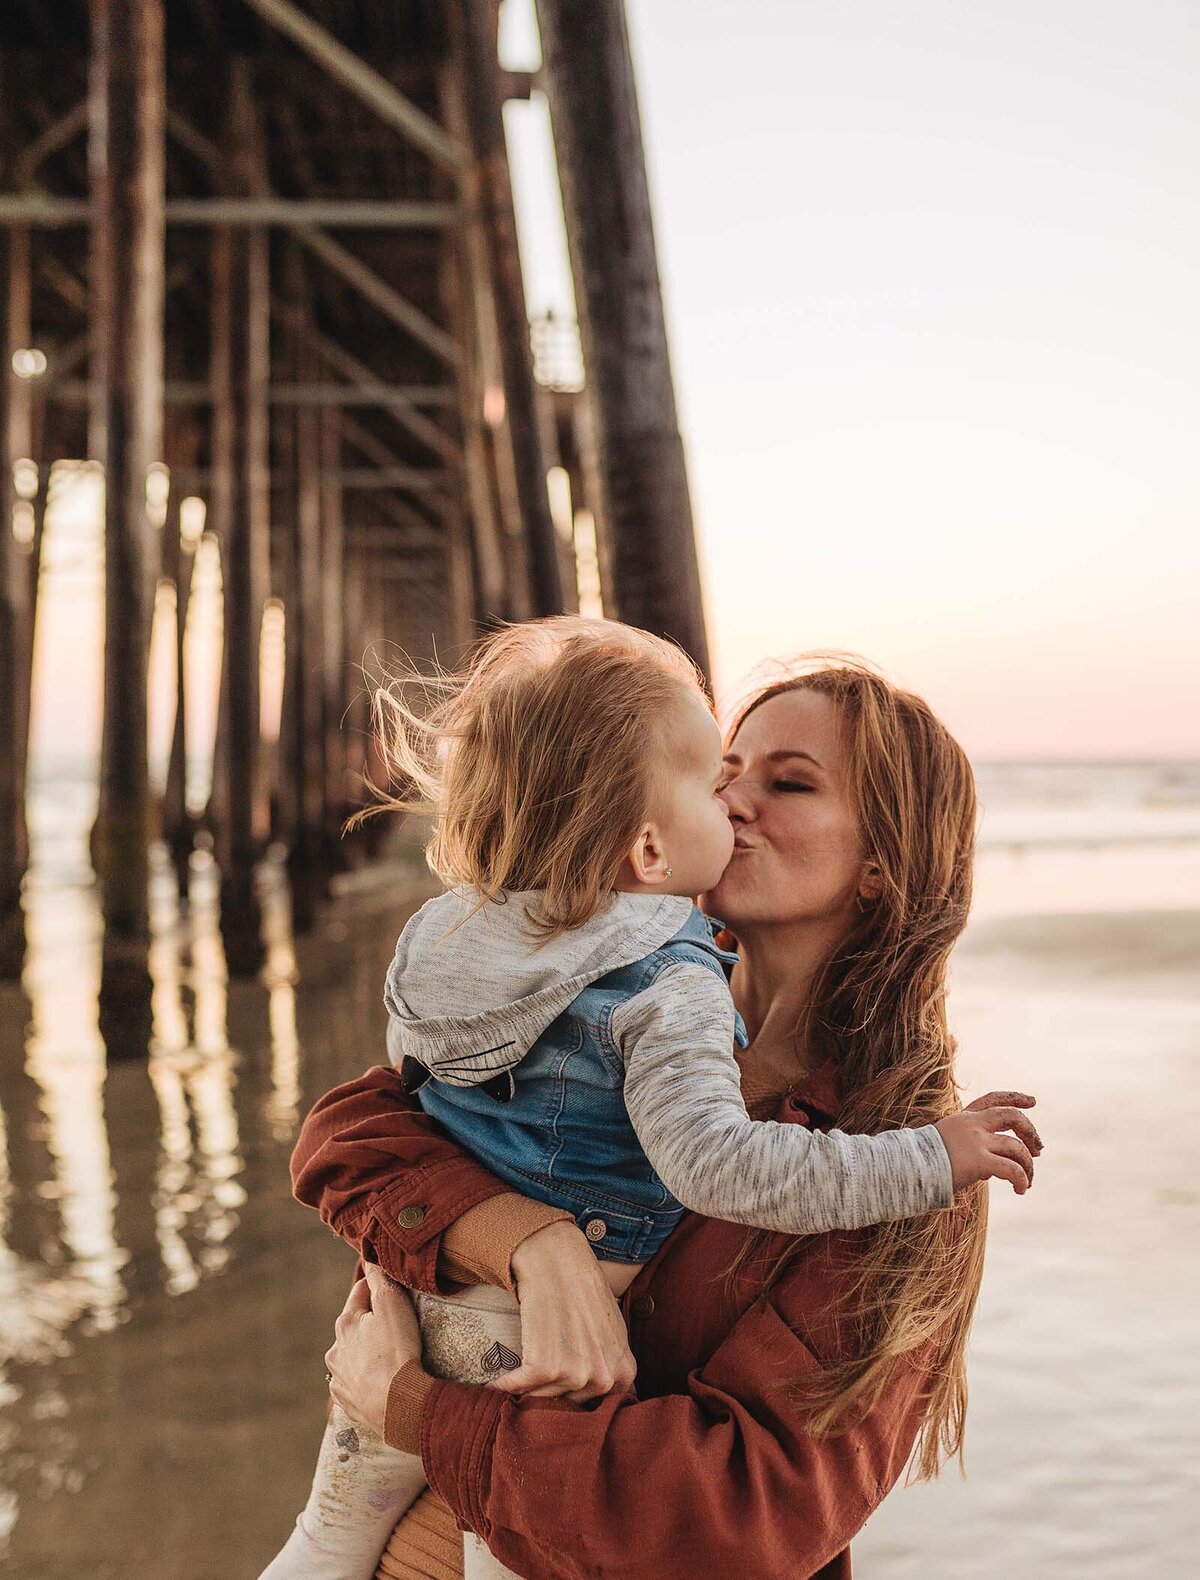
<point>369,444</point>
<point>50,212</point>
<point>367,84</point>
<point>42,210</point>
<point>412,479</point>
<point>198,392</point>
<point>356,213</point>
<point>356,274</point>
<point>400,396</point>
<point>380,294</point>
<point>359,373</point>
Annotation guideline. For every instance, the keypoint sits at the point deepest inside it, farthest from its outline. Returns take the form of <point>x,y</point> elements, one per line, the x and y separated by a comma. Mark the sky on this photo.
<point>930,279</point>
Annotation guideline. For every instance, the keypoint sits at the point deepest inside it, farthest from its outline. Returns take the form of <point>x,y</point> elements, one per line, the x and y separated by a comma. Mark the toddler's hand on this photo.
<point>978,1147</point>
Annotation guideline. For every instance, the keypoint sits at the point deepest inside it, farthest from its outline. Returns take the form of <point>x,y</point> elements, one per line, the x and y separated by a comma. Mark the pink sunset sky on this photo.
<point>930,278</point>
<point>930,281</point>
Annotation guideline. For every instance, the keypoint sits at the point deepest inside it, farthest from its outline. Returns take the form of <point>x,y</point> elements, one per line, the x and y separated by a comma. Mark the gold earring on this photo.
<point>668,872</point>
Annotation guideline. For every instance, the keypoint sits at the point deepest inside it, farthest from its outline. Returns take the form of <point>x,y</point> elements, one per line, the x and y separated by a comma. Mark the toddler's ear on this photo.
<point>647,862</point>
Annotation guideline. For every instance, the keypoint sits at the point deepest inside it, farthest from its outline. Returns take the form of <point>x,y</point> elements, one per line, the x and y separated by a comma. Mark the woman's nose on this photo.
<point>738,802</point>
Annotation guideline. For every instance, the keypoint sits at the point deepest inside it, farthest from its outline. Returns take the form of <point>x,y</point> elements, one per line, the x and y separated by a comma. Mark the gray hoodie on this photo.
<point>469,994</point>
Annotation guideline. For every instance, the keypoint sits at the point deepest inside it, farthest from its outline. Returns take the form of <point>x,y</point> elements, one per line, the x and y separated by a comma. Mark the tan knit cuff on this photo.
<point>405,1401</point>
<point>478,1247</point>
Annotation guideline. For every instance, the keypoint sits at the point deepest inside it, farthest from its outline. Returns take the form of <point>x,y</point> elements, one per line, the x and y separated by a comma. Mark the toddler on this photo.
<point>564,1009</point>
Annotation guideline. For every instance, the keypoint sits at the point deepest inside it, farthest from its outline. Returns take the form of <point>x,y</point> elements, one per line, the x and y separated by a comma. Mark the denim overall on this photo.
<point>564,1136</point>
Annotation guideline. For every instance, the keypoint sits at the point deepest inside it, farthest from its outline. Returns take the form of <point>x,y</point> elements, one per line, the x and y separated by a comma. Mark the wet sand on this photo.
<point>164,1405</point>
<point>1083,1456</point>
<point>167,1432</point>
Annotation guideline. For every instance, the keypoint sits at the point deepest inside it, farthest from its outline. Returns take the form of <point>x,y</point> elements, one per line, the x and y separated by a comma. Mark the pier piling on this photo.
<point>291,227</point>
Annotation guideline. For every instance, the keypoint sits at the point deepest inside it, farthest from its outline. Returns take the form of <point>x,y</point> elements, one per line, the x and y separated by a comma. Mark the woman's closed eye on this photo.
<point>791,785</point>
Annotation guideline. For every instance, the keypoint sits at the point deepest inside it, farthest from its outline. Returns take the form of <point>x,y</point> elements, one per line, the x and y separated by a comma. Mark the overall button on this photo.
<point>595,1229</point>
<point>410,1217</point>
<point>642,1306</point>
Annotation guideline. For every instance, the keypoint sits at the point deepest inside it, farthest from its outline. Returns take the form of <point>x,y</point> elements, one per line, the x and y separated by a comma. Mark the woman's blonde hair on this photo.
<point>537,760</point>
<point>878,1010</point>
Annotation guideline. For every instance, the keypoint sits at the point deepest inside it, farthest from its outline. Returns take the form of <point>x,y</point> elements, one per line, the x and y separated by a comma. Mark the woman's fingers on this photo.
<point>577,1380</point>
<point>573,1335</point>
<point>588,1368</point>
<point>375,1337</point>
<point>525,1379</point>
<point>358,1303</point>
<point>625,1373</point>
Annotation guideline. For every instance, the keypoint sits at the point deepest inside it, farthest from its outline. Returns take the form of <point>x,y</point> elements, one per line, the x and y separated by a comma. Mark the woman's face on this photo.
<point>797,855</point>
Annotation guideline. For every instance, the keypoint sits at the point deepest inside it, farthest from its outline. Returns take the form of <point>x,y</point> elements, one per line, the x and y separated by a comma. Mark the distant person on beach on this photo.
<point>563,1012</point>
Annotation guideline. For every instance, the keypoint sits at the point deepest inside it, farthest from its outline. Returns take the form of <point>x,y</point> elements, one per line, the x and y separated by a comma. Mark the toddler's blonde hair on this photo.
<point>538,760</point>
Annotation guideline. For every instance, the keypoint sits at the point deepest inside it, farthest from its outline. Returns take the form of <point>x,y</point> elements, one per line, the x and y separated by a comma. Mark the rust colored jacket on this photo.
<point>708,1470</point>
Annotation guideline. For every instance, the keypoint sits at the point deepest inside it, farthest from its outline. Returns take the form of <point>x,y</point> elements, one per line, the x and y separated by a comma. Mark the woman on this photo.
<point>782,1383</point>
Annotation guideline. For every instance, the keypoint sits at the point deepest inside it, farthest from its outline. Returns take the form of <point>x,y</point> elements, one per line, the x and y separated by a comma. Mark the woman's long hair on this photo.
<point>878,1009</point>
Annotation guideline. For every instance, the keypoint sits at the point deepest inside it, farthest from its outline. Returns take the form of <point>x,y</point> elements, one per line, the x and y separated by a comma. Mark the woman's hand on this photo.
<point>375,1336</point>
<point>979,1147</point>
<point>573,1336</point>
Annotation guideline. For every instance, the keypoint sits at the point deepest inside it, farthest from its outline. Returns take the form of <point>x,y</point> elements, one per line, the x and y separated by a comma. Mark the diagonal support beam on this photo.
<point>357,372</point>
<point>356,274</point>
<point>368,85</point>
<point>380,294</point>
<point>57,135</point>
<point>370,445</point>
<point>201,148</point>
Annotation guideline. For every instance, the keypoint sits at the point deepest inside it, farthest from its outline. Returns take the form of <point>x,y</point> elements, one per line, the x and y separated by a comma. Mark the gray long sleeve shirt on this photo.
<point>470,991</point>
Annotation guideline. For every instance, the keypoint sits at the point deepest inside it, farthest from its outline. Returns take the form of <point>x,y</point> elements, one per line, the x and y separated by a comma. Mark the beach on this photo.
<point>165,1306</point>
<point>1084,1365</point>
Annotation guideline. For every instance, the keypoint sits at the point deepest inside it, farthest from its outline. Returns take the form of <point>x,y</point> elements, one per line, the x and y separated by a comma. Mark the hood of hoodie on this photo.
<point>469,994</point>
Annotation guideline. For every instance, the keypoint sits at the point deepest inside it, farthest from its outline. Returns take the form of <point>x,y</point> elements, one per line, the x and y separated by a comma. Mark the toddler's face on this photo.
<point>695,830</point>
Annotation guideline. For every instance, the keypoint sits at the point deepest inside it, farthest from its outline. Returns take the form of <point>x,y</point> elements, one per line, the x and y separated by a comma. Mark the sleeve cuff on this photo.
<point>405,1403</point>
<point>936,1160</point>
<point>478,1247</point>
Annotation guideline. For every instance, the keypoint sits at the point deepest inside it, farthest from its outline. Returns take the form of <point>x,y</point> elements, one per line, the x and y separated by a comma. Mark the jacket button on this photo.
<point>410,1217</point>
<point>642,1306</point>
<point>595,1229</point>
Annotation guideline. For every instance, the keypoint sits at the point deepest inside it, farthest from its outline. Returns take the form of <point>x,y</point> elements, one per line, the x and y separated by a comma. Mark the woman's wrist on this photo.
<point>546,1248</point>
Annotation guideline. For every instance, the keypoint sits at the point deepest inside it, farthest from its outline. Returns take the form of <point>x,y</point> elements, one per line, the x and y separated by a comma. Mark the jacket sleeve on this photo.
<point>389,1180</point>
<point>683,1093</point>
<point>721,1480</point>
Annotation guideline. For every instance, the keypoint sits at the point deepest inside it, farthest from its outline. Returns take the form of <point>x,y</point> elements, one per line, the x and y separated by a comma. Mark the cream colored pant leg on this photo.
<point>360,1488</point>
<point>474,1338</point>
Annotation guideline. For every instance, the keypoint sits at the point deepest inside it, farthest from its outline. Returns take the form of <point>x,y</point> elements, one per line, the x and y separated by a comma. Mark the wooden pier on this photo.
<point>264,254</point>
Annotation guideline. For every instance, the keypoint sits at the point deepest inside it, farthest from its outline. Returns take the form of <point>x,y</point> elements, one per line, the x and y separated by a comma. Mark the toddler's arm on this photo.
<point>683,1092</point>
